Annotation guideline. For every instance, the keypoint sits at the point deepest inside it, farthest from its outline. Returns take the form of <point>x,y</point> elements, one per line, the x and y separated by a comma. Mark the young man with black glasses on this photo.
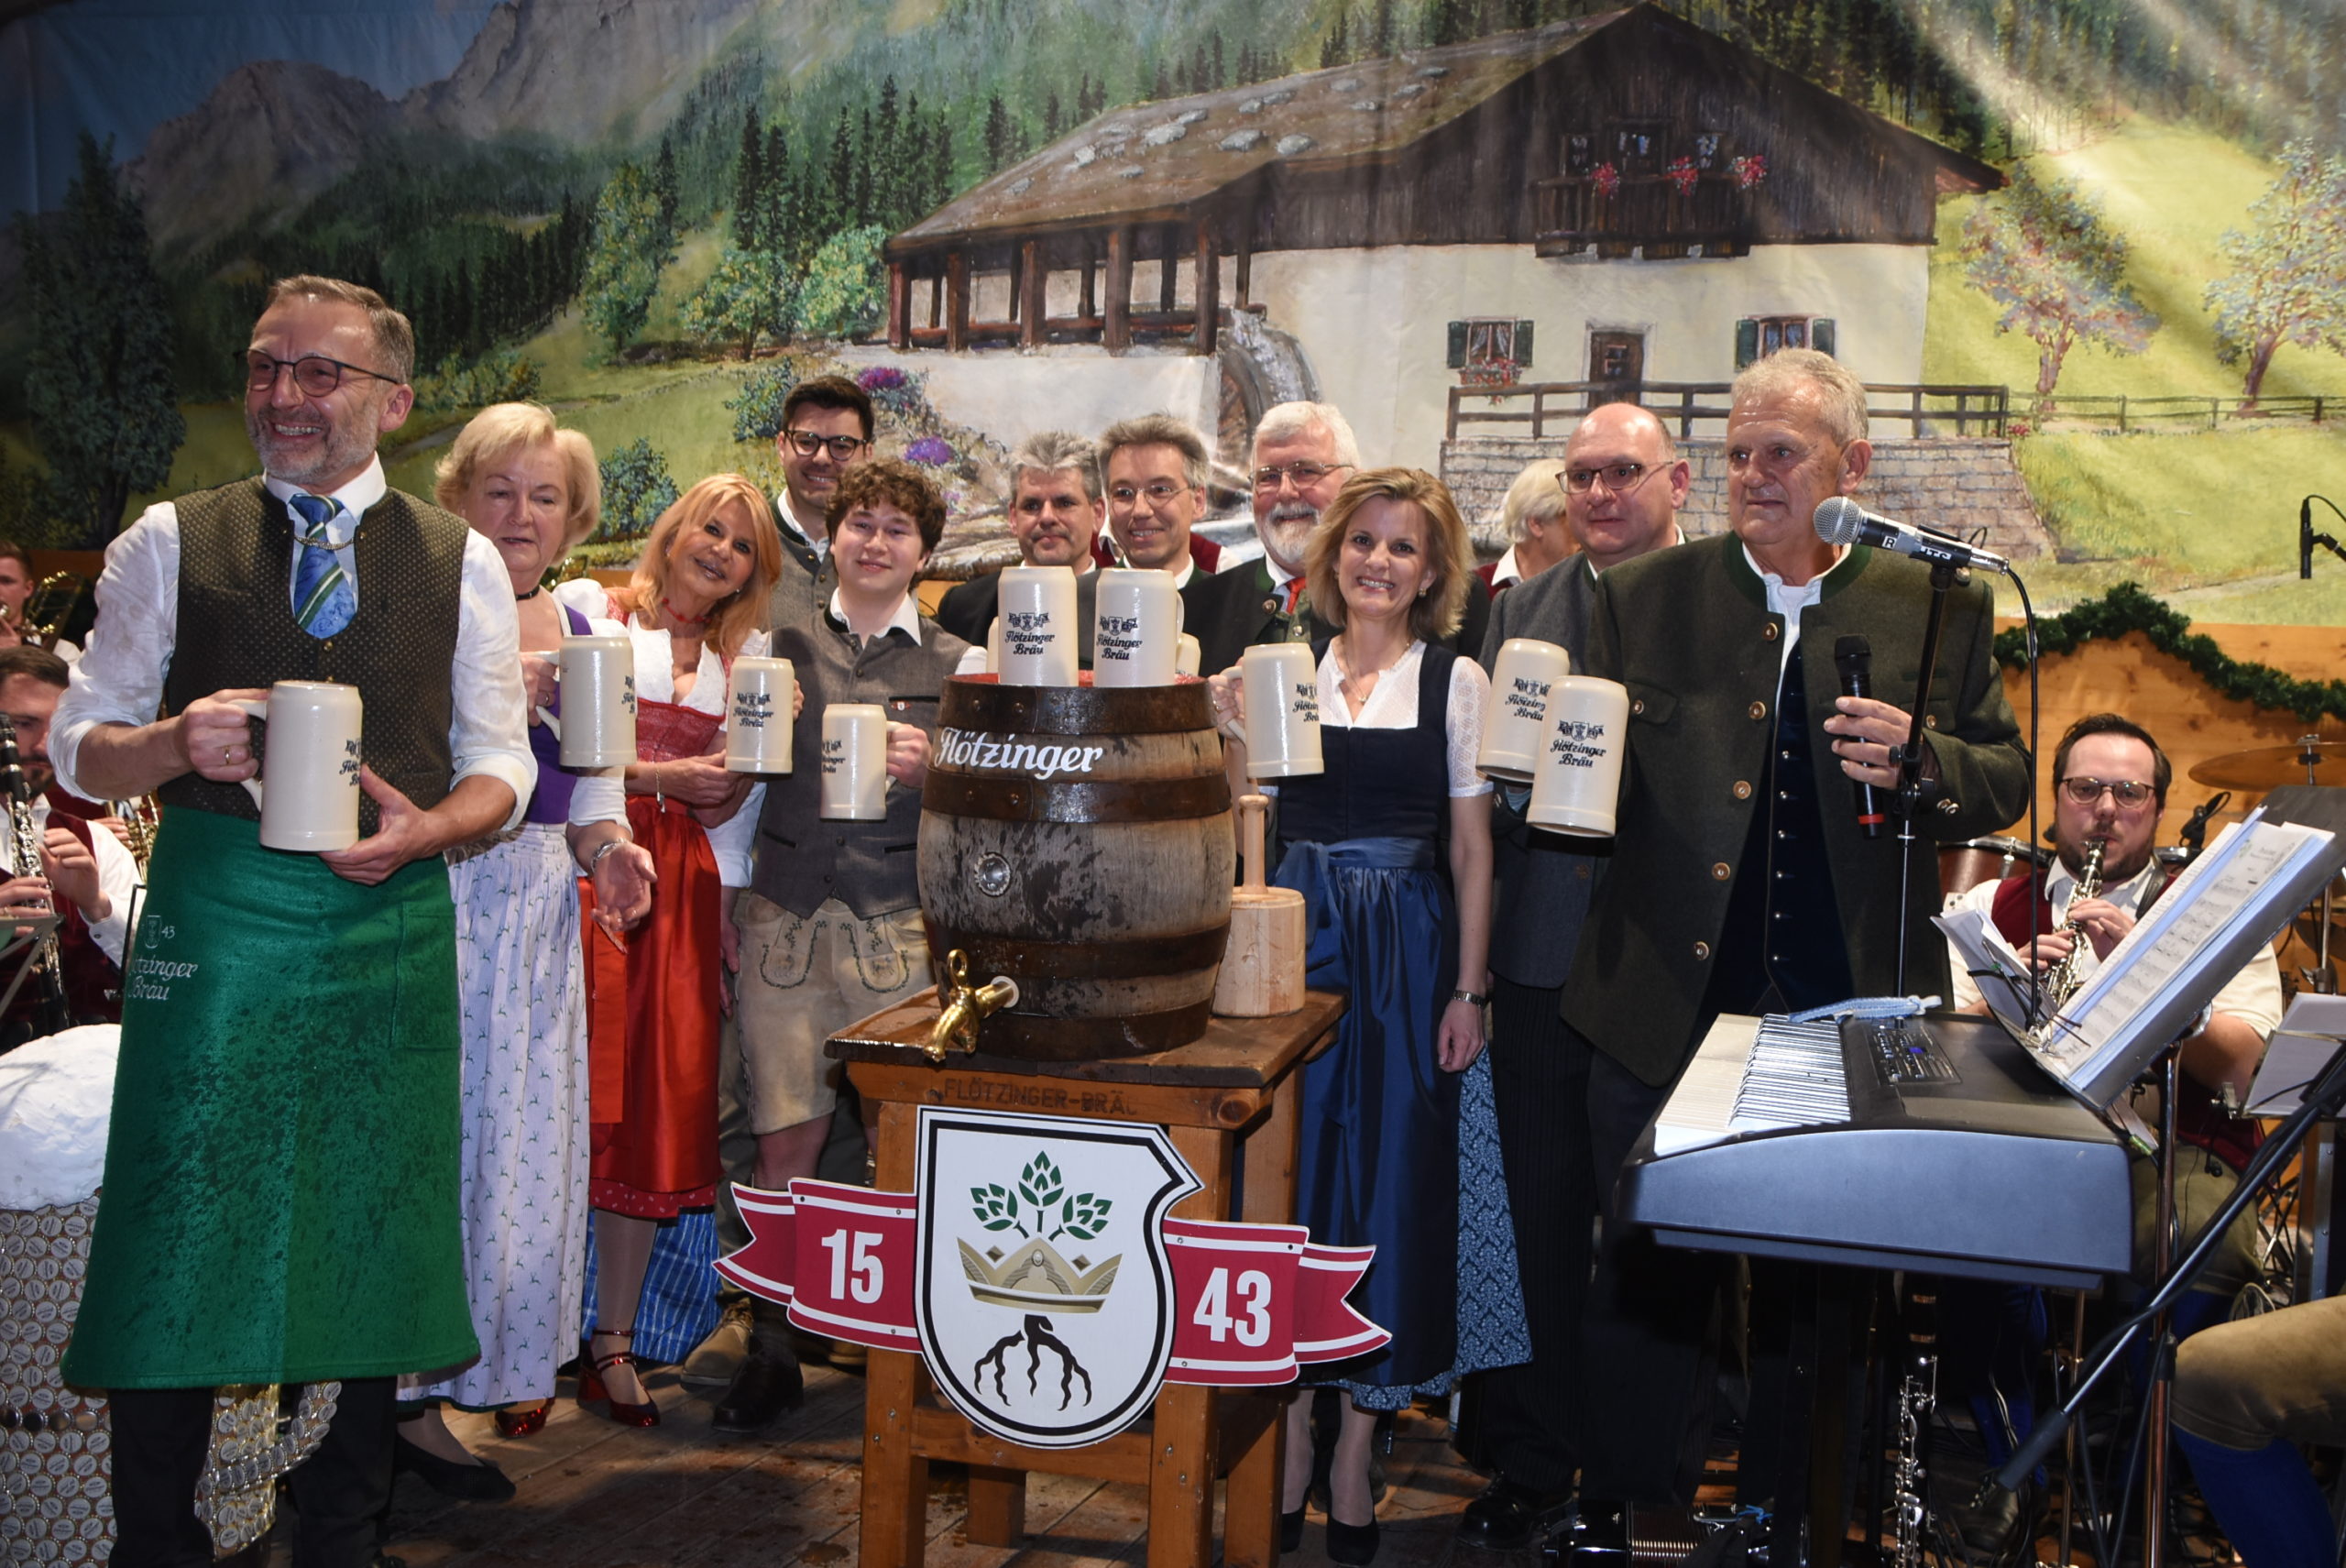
<point>825,430</point>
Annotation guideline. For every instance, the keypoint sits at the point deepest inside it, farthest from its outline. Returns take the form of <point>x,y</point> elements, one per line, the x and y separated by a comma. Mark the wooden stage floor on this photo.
<point>594,1494</point>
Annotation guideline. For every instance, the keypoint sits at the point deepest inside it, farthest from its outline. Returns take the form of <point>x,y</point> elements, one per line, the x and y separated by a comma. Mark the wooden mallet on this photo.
<point>1262,969</point>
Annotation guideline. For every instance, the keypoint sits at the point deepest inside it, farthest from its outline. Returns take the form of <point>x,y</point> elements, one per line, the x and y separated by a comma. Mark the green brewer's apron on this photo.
<point>281,1181</point>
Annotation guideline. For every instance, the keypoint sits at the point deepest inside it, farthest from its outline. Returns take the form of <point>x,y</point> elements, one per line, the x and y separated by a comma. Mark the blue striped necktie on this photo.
<point>323,601</point>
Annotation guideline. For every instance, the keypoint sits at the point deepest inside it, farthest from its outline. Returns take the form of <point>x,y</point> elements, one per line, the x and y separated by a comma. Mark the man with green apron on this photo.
<point>280,1202</point>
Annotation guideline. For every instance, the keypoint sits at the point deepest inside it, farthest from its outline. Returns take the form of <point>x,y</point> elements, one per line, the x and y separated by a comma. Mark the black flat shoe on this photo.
<point>1508,1516</point>
<point>767,1383</point>
<point>1291,1531</point>
<point>1998,1527</point>
<point>1353,1545</point>
<point>480,1482</point>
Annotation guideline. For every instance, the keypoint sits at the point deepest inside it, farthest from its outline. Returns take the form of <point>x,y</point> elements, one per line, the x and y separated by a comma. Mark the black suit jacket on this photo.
<point>1542,880</point>
<point>1235,609</point>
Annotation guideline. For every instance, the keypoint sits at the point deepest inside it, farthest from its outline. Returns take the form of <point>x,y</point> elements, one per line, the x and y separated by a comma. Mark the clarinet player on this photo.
<point>86,876</point>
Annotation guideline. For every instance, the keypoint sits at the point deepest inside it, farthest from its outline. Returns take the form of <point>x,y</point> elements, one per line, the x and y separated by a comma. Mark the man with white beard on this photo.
<point>1303,453</point>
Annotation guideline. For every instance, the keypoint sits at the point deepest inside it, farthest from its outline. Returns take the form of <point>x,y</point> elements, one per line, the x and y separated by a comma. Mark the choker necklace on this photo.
<point>523,598</point>
<point>679,617</point>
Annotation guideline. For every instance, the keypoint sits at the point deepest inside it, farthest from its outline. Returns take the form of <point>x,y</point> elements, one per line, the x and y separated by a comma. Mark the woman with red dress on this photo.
<point>694,605</point>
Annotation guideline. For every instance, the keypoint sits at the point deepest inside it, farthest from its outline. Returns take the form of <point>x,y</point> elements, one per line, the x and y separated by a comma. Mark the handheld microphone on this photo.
<point>1840,520</point>
<point>1853,657</point>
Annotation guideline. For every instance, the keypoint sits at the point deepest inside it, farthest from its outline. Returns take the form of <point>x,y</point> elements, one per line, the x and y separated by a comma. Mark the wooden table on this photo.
<point>1229,1101</point>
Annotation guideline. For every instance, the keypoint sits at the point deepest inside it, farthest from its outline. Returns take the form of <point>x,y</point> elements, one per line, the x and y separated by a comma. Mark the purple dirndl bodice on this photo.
<point>551,801</point>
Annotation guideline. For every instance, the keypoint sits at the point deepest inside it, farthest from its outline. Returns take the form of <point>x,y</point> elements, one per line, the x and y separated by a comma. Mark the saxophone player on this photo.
<point>2110,789</point>
<point>90,876</point>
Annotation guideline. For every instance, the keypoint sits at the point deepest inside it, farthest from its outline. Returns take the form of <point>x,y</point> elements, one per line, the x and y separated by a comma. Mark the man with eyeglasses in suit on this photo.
<point>1154,468</point>
<point>2109,788</point>
<point>825,430</point>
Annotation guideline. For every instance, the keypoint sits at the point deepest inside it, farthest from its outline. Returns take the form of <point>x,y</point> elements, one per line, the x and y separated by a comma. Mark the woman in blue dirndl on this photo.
<point>1391,848</point>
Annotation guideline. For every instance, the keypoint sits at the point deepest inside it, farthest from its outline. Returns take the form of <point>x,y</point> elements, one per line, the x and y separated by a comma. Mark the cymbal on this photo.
<point>2271,767</point>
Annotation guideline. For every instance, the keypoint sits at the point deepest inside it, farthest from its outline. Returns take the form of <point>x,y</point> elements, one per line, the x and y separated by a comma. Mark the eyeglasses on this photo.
<point>314,373</point>
<point>1158,491</point>
<point>843,448</point>
<point>2130,794</point>
<point>1303,475</point>
<point>1619,478</point>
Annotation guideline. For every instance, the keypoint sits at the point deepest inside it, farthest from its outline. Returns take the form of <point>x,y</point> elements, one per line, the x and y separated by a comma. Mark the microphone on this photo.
<point>1840,520</point>
<point>1853,657</point>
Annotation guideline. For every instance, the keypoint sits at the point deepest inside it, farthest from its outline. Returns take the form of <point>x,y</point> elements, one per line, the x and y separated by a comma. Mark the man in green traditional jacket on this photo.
<point>1740,881</point>
<point>280,1202</point>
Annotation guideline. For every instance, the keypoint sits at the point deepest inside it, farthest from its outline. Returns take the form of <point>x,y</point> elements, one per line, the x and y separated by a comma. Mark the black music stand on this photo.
<point>25,935</point>
<point>2323,1099</point>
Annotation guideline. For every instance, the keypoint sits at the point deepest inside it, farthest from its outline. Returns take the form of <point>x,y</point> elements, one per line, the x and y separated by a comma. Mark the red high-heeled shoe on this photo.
<point>523,1423</point>
<point>591,1388</point>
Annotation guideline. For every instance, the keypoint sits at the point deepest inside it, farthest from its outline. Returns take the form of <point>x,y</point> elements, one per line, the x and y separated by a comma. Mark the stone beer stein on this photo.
<point>855,763</point>
<point>1517,725</point>
<point>1136,628</point>
<point>310,763</point>
<point>1282,697</point>
<point>1578,785</point>
<point>597,724</point>
<point>1035,615</point>
<point>757,716</point>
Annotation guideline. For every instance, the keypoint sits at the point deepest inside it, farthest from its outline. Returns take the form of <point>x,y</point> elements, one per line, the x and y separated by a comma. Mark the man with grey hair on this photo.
<point>1055,514</point>
<point>1303,455</point>
<point>1533,515</point>
<point>1155,470</point>
<point>1740,881</point>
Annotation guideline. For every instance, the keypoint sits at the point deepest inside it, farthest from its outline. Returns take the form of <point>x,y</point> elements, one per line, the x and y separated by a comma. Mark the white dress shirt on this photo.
<point>118,879</point>
<point>818,538</point>
<point>119,680</point>
<point>1789,602</point>
<point>906,619</point>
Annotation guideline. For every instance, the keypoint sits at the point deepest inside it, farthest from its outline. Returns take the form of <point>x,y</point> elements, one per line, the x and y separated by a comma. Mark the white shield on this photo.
<point>1044,1297</point>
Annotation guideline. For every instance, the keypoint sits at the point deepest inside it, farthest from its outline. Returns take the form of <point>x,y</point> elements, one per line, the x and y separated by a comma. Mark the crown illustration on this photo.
<point>1037,1278</point>
<point>1029,1273</point>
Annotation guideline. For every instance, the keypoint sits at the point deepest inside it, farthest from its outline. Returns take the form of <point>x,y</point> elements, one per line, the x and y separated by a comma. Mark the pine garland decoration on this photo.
<point>2127,607</point>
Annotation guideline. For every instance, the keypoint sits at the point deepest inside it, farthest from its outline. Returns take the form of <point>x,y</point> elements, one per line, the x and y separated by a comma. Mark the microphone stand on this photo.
<point>1914,792</point>
<point>2308,538</point>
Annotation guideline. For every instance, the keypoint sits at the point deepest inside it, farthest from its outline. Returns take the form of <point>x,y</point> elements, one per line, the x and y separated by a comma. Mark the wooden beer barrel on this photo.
<point>1079,839</point>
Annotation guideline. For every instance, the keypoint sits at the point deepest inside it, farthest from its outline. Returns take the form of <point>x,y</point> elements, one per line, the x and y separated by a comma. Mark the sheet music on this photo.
<point>1993,964</point>
<point>2300,1049</point>
<point>2211,866</point>
<point>2169,954</point>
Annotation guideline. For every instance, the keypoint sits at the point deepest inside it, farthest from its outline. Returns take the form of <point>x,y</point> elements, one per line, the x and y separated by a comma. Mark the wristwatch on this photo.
<point>1469,996</point>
